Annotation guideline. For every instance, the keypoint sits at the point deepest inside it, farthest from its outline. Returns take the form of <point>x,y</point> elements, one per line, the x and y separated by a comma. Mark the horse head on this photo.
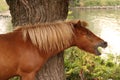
<point>85,39</point>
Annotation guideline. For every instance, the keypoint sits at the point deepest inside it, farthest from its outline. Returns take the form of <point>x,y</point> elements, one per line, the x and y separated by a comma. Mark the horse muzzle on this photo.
<point>101,44</point>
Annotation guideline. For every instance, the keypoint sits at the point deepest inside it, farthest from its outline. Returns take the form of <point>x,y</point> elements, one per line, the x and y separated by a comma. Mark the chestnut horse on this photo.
<point>25,50</point>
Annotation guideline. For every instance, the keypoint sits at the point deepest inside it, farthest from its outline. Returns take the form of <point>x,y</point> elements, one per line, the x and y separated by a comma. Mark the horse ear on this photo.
<point>75,22</point>
<point>81,23</point>
<point>78,23</point>
<point>84,24</point>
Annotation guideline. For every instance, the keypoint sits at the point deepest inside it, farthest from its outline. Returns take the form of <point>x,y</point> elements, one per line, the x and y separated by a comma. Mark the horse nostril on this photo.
<point>104,44</point>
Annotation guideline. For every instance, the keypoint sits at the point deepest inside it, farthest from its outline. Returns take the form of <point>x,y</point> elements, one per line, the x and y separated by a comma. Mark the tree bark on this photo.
<point>35,11</point>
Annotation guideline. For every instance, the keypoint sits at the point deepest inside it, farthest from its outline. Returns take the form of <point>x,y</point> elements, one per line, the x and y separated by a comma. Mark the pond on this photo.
<point>104,23</point>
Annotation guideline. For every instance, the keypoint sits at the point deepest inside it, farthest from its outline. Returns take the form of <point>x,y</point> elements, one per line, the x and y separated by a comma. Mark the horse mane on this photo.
<point>49,36</point>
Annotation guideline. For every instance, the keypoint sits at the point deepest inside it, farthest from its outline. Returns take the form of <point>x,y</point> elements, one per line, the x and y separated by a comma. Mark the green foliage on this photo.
<point>93,67</point>
<point>15,78</point>
<point>112,2</point>
<point>74,3</point>
<point>95,2</point>
<point>91,2</point>
<point>3,5</point>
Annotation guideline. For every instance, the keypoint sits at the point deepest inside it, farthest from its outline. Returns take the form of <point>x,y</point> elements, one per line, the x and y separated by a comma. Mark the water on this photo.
<point>104,23</point>
<point>5,24</point>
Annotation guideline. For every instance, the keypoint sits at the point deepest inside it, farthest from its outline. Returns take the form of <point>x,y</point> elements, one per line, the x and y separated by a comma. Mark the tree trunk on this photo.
<point>35,11</point>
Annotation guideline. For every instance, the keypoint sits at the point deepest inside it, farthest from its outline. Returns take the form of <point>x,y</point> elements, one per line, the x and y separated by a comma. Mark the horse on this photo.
<point>26,49</point>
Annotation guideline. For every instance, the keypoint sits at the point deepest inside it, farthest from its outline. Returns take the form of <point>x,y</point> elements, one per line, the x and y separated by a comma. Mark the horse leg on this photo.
<point>30,76</point>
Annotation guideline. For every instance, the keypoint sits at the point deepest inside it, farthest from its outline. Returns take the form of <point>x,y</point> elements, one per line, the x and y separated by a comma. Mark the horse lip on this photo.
<point>97,51</point>
<point>103,45</point>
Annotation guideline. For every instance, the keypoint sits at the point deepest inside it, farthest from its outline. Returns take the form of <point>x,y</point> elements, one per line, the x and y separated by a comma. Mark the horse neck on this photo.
<point>58,46</point>
<point>53,40</point>
<point>57,51</point>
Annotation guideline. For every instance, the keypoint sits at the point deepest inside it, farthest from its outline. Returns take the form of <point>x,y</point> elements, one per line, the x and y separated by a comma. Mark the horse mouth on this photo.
<point>100,45</point>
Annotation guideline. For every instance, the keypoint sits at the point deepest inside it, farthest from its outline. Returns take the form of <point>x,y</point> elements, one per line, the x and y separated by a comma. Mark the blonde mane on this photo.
<point>49,36</point>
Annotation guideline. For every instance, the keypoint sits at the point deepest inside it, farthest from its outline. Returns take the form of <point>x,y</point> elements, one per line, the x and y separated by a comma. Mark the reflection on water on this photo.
<point>104,23</point>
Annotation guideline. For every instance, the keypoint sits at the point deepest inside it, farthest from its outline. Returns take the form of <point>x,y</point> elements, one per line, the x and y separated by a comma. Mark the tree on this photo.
<point>35,11</point>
